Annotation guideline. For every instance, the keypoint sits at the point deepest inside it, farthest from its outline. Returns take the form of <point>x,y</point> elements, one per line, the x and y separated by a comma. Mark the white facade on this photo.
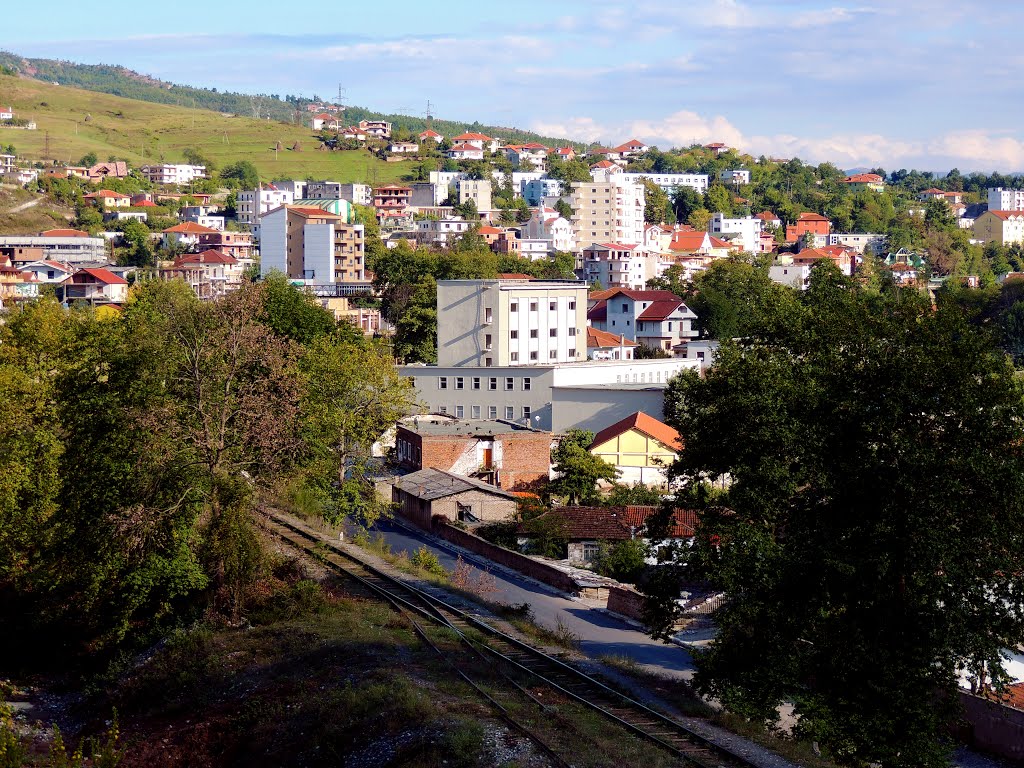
<point>253,203</point>
<point>544,224</point>
<point>171,173</point>
<point>746,231</point>
<point>625,316</point>
<point>477,190</point>
<point>794,275</point>
<point>273,228</point>
<point>667,181</point>
<point>440,232</point>
<point>617,265</point>
<point>296,187</point>
<point>1000,199</point>
<point>534,250</point>
<point>860,242</point>
<point>447,178</point>
<point>737,176</point>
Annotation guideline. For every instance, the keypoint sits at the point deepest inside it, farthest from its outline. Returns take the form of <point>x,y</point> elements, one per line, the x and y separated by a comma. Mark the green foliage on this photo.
<point>624,561</point>
<point>292,313</point>
<point>874,515</point>
<point>578,470</point>
<point>241,175</point>
<point>425,559</point>
<point>647,352</point>
<point>564,209</point>
<point>622,495</point>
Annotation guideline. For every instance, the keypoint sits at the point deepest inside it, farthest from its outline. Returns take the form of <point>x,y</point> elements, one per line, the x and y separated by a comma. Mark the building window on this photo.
<point>552,332</point>
<point>475,410</point>
<point>533,355</point>
<point>488,362</point>
<point>510,412</point>
<point>509,382</point>
<point>476,382</point>
<point>488,315</point>
<point>552,305</point>
<point>492,383</point>
<point>513,307</point>
<point>513,334</point>
<point>460,411</point>
<point>513,357</point>
<point>552,354</point>
<point>670,325</point>
<point>527,382</point>
<point>526,412</point>
<point>591,549</point>
<point>533,333</point>
<point>625,307</point>
<point>572,353</point>
<point>533,306</point>
<point>442,382</point>
<point>572,305</point>
<point>492,411</point>
<point>572,331</point>
<point>465,512</point>
<point>460,382</point>
<point>443,410</point>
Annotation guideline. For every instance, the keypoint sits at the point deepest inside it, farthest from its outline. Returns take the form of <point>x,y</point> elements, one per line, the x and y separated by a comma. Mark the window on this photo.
<point>572,331</point>
<point>572,353</point>
<point>510,412</point>
<point>492,411</point>
<point>443,410</point>
<point>533,306</point>
<point>552,332</point>
<point>465,512</point>
<point>552,305</point>
<point>475,411</point>
<point>591,549</point>
<point>492,383</point>
<point>670,325</point>
<point>442,382</point>
<point>513,307</point>
<point>526,412</point>
<point>527,382</point>
<point>488,362</point>
<point>509,382</point>
<point>513,357</point>
<point>460,411</point>
<point>533,333</point>
<point>488,315</point>
<point>487,341</point>
<point>533,355</point>
<point>625,307</point>
<point>552,354</point>
<point>572,305</point>
<point>513,334</point>
<point>460,382</point>
<point>476,382</point>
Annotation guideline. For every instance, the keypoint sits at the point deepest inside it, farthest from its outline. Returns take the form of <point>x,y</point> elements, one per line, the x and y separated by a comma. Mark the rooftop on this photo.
<point>441,425</point>
<point>431,484</point>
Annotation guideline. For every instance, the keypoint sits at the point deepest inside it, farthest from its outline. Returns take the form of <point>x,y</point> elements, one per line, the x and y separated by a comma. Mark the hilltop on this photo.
<point>121,81</point>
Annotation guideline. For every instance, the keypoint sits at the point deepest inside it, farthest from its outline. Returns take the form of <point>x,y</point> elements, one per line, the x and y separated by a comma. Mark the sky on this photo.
<point>927,84</point>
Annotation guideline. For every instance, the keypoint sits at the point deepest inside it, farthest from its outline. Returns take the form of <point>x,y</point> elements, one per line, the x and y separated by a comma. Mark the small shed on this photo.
<point>428,492</point>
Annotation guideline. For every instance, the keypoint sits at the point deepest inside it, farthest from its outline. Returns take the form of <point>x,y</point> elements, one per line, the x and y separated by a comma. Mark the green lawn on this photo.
<point>79,122</point>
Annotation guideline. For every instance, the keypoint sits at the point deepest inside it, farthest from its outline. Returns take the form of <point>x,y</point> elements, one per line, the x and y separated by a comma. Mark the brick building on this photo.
<point>808,224</point>
<point>501,453</point>
<point>429,492</point>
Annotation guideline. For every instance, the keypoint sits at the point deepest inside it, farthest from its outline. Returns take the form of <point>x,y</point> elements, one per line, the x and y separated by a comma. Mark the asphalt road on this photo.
<point>600,634</point>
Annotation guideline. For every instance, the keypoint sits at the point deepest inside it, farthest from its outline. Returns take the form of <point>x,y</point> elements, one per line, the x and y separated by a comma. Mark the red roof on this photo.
<point>630,145</point>
<point>598,313</point>
<point>104,193</point>
<point>490,231</point>
<point>715,145</point>
<point>206,257</point>
<point>472,137</point>
<point>808,216</point>
<point>604,164</point>
<point>649,295</point>
<point>102,275</point>
<point>644,424</point>
<point>189,228</point>
<point>683,525</point>
<point>863,178</point>
<point>660,310</point>
<point>64,233</point>
<point>767,216</point>
<point>324,116</point>
<point>310,211</point>
<point>514,276</point>
<point>602,339</point>
<point>613,246</point>
<point>465,148</point>
<point>1006,215</point>
<point>688,241</point>
<point>429,134</point>
<point>144,204</point>
<point>717,242</point>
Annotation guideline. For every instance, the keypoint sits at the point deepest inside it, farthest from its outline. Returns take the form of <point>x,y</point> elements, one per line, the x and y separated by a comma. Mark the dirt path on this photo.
<point>25,206</point>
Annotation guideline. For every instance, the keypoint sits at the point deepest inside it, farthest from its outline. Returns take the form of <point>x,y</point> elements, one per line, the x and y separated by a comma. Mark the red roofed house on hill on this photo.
<point>640,446</point>
<point>808,223</point>
<point>430,135</point>
<point>862,181</point>
<point>465,152</point>
<point>478,140</point>
<point>187,234</point>
<point>210,274</point>
<point>94,286</point>
<point>658,319</point>
<point>1003,227</point>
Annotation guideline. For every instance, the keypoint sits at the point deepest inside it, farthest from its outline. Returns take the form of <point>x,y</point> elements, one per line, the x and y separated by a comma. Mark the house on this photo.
<point>210,274</point>
<point>16,284</point>
<point>465,152</point>
<point>391,198</point>
<point>501,453</point>
<point>565,153</point>
<point>769,219</point>
<point>380,129</point>
<point>403,148</point>
<point>116,169</point>
<point>743,232</point>
<point>861,181</point>
<point>238,245</point>
<point>441,232</point>
<point>173,173</point>
<point>324,121</point>
<point>94,286</point>
<point>430,135</point>
<point>21,176</point>
<point>1003,227</point>
<point>47,271</point>
<point>1000,199</point>
<point>717,148</point>
<point>602,345</point>
<point>186,234</point>
<point>689,242</point>
<point>6,113</point>
<point>736,177</point>
<point>620,265</point>
<point>422,495</point>
<point>105,198</point>
<point>478,140</point>
<point>641,447</point>
<point>532,155</point>
<point>808,224</point>
<point>796,276</point>
<point>355,133</point>
<point>658,319</point>
<point>632,148</point>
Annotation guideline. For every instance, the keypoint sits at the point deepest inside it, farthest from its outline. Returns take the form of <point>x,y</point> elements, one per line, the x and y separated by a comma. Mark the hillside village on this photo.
<point>538,299</point>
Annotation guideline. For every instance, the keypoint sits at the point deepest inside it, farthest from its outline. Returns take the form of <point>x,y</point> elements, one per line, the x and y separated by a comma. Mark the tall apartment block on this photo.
<point>314,245</point>
<point>608,212</point>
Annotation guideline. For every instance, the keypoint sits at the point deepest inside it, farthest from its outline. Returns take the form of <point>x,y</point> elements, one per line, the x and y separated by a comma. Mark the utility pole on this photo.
<point>46,146</point>
<point>430,115</point>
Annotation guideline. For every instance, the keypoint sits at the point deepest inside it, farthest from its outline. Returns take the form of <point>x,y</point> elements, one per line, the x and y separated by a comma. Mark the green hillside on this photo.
<point>78,122</point>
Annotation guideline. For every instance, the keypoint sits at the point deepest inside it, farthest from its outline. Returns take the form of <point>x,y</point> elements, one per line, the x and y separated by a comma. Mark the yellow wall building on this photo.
<point>640,447</point>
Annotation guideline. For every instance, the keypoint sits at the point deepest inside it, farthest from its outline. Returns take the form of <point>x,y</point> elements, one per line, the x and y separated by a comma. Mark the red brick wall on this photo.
<point>526,459</point>
<point>994,727</point>
<point>535,569</point>
<point>442,452</point>
<point>626,602</point>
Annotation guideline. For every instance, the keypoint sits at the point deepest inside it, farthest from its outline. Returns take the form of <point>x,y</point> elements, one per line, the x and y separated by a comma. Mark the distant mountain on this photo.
<point>121,81</point>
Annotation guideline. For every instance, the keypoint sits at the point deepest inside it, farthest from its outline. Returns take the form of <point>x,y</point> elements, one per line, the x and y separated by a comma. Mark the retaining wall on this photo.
<point>994,727</point>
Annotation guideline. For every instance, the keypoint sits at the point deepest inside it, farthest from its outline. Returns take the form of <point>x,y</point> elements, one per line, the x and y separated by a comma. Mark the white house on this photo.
<point>173,173</point>
<point>46,271</point>
<point>478,140</point>
<point>404,148</point>
<point>744,232</point>
<point>621,265</point>
<point>794,275</point>
<point>657,318</point>
<point>546,224</point>
<point>253,203</point>
<point>6,113</point>
<point>440,231</point>
<point>465,152</point>
<point>735,176</point>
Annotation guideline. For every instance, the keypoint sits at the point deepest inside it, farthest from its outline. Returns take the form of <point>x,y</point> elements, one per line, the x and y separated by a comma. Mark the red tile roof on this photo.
<point>64,233</point>
<point>717,242</point>
<point>688,241</point>
<point>601,339</point>
<point>189,228</point>
<point>767,216</point>
<point>144,204</point>
<point>514,276</point>
<point>630,145</point>
<point>604,164</point>
<point>429,134</point>
<point>863,178</point>
<point>206,257</point>
<point>660,310</point>
<point>613,246</point>
<point>472,137</point>
<point>485,230</point>
<point>644,424</point>
<point>598,313</point>
<point>102,275</point>
<point>465,148</point>
<point>1007,215</point>
<point>808,216</point>
<point>311,211</point>
<point>104,193</point>
<point>683,524</point>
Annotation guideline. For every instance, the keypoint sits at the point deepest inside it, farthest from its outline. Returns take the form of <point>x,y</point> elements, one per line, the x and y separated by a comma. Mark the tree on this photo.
<point>578,470</point>
<point>88,160</point>
<point>863,521</point>
<point>625,561</point>
<point>657,206</point>
<point>647,352</point>
<point>139,246</point>
<point>564,209</point>
<point>718,199</point>
<point>292,313</point>
<point>241,175</point>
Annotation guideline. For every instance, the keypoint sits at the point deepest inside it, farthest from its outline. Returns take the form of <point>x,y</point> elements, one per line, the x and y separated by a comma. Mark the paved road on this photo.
<point>599,633</point>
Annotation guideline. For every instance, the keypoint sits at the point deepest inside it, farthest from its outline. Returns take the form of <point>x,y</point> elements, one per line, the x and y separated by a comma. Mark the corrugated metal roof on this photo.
<point>430,484</point>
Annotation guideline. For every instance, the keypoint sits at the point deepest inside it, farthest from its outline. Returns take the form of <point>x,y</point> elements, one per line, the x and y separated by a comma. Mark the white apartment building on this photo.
<point>511,322</point>
<point>656,318</point>
<point>296,187</point>
<point>519,180</point>
<point>536,190</point>
<point>1000,199</point>
<point>440,232</point>
<point>313,245</point>
<point>546,224</point>
<point>667,181</point>
<point>619,265</point>
<point>171,173</point>
<point>446,178</point>
<point>359,194</point>
<point>608,212</point>
<point>745,231</point>
<point>796,276</point>
<point>253,203</point>
<point>860,241</point>
<point>477,190</point>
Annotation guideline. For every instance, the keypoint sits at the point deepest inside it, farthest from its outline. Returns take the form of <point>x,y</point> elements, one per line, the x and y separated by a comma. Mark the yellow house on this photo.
<point>640,447</point>
<point>1004,227</point>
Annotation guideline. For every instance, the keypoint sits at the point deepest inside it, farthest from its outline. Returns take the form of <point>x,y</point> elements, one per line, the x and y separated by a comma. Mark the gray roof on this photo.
<point>463,428</point>
<point>430,484</point>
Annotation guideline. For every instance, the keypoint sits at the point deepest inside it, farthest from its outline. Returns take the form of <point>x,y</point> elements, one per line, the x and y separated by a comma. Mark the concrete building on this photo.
<point>797,276</point>
<point>93,286</point>
<point>173,173</point>
<point>744,232</point>
<point>357,194</point>
<point>1003,227</point>
<point>297,187</point>
<point>620,265</point>
<point>313,245</point>
<point>546,224</point>
<point>441,232</point>
<point>390,199</point>
<point>669,182</point>
<point>1000,199</point>
<point>235,244</point>
<point>658,319</point>
<point>536,191</point>
<point>583,394</point>
<point>426,194</point>
<point>501,453</point>
<point>608,212</point>
<point>71,246</point>
<point>422,495</point>
<point>862,242</point>
<point>735,177</point>
<point>511,321</point>
<point>808,223</point>
<point>253,203</point>
<point>477,190</point>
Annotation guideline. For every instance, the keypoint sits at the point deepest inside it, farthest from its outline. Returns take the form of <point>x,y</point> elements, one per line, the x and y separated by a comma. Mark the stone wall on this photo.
<point>626,602</point>
<point>994,727</point>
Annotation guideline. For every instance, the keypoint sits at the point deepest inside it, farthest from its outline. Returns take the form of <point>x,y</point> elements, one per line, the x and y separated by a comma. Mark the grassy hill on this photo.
<point>79,121</point>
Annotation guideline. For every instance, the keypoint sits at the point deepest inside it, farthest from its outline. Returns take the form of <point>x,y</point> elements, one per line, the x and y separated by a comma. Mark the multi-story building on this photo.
<point>808,223</point>
<point>440,232</point>
<point>238,245</point>
<point>392,198</point>
<point>546,224</point>
<point>210,274</point>
<point>1003,227</point>
<point>314,245</point>
<point>173,173</point>
<point>1000,199</point>
<point>358,194</point>
<point>862,242</point>
<point>658,319</point>
<point>253,203</point>
<point>426,194</point>
<point>297,187</point>
<point>744,232</point>
<point>511,321</point>
<point>71,246</point>
<point>865,181</point>
<point>735,176</point>
<point>618,265</point>
<point>608,212</point>
<point>536,191</point>
<point>477,190</point>
<point>380,129</point>
<point>667,181</point>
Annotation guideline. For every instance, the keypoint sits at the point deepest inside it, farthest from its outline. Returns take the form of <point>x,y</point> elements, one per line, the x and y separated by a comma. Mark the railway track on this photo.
<point>504,660</point>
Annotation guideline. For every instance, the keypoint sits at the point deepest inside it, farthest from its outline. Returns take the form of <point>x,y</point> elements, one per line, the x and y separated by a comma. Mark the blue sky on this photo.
<point>930,84</point>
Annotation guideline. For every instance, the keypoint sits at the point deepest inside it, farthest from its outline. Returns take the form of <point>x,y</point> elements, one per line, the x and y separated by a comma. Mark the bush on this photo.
<point>426,560</point>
